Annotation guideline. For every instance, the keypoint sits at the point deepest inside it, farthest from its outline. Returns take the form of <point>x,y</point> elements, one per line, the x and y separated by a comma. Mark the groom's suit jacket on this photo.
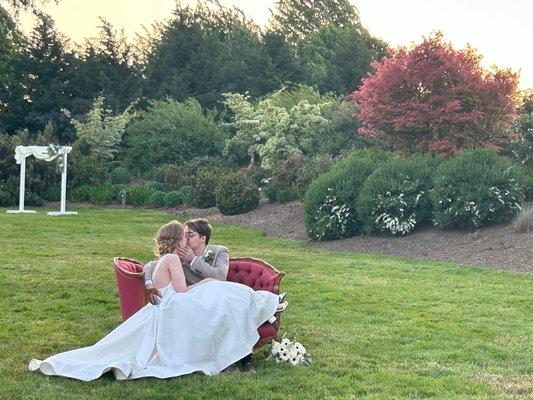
<point>205,266</point>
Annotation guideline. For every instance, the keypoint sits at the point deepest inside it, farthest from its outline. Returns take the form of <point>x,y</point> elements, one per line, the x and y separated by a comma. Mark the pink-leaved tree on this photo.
<point>433,98</point>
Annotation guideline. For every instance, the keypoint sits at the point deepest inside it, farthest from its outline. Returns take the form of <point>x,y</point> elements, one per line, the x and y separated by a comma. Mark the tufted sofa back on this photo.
<point>257,274</point>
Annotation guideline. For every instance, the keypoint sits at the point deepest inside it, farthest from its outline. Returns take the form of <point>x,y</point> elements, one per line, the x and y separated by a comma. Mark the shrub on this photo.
<point>258,175</point>
<point>528,172</point>
<point>103,194</point>
<point>120,175</point>
<point>139,195</point>
<point>192,167</point>
<point>172,199</point>
<point>330,202</point>
<point>236,194</point>
<point>172,176</point>
<point>171,132</point>
<point>474,189</point>
<point>279,194</point>
<point>157,199</point>
<point>523,222</point>
<point>292,177</point>
<point>281,187</point>
<point>184,194</point>
<point>9,191</point>
<point>52,193</point>
<point>80,193</point>
<point>395,198</point>
<point>32,199</point>
<point>312,169</point>
<point>203,191</point>
<point>157,186</point>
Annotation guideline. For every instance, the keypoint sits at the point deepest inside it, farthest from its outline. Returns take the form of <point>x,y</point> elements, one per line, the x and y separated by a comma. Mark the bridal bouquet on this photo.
<point>288,351</point>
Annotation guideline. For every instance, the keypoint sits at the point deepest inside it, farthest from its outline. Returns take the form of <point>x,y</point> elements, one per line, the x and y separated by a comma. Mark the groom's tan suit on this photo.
<point>214,263</point>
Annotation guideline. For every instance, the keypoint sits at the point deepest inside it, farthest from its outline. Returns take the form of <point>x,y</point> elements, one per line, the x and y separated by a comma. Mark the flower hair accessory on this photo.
<point>208,256</point>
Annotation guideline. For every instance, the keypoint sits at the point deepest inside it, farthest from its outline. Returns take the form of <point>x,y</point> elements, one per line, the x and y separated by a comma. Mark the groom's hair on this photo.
<point>201,226</point>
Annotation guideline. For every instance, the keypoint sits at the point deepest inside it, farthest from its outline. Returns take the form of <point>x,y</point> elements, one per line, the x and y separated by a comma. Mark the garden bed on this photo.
<point>497,246</point>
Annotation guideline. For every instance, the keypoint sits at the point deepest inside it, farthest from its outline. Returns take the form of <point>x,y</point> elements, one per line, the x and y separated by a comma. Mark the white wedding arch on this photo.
<point>47,153</point>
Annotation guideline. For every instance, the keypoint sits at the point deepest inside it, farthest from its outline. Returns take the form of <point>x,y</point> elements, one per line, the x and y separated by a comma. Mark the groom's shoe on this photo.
<point>249,367</point>
<point>231,368</point>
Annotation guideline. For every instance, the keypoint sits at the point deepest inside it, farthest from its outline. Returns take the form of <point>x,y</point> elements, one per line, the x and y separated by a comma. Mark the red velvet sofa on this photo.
<point>257,274</point>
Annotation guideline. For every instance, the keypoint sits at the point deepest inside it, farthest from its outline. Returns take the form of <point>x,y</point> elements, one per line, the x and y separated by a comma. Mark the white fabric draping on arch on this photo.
<point>40,152</point>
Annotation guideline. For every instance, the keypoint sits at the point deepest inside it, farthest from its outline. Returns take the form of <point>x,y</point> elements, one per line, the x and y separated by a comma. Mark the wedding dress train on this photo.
<point>205,329</point>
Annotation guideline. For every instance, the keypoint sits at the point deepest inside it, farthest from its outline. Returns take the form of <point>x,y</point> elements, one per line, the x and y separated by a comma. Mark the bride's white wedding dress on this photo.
<point>205,329</point>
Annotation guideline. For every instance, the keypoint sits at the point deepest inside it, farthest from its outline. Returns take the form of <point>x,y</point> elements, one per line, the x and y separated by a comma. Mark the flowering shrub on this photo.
<point>476,188</point>
<point>278,127</point>
<point>395,198</point>
<point>332,220</point>
<point>339,187</point>
<point>288,351</point>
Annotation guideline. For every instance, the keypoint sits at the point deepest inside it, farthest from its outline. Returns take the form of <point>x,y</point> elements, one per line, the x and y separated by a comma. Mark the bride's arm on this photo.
<point>177,277</point>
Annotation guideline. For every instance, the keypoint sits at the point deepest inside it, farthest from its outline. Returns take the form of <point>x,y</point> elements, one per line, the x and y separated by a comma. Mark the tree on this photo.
<point>43,70</point>
<point>206,51</point>
<point>433,98</point>
<point>522,148</point>
<point>337,58</point>
<point>170,132</point>
<point>97,144</point>
<point>11,44</point>
<point>297,19</point>
<point>105,67</point>
<point>15,6</point>
<point>282,125</point>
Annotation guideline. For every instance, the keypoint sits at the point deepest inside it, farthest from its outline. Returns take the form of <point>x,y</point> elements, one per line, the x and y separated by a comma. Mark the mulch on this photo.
<point>498,246</point>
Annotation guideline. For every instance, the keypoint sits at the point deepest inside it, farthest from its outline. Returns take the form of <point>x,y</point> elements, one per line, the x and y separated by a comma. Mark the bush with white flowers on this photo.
<point>290,352</point>
<point>329,206</point>
<point>395,198</point>
<point>332,219</point>
<point>476,188</point>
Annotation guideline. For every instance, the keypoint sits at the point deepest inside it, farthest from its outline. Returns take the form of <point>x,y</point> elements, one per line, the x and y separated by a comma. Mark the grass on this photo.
<point>377,327</point>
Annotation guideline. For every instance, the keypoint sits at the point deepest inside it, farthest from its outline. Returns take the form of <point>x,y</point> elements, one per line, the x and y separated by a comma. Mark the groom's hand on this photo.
<point>153,294</point>
<point>186,253</point>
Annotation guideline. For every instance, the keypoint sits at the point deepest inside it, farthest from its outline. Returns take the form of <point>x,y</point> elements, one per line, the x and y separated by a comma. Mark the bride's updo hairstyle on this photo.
<point>168,238</point>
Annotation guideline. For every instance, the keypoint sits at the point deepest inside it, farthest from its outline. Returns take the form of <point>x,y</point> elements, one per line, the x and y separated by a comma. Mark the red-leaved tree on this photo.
<point>433,98</point>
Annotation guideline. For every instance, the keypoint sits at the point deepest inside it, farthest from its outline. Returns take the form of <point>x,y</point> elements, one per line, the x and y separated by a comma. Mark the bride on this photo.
<point>204,327</point>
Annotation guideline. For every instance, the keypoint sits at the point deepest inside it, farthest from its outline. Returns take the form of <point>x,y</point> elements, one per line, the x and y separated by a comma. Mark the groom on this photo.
<point>200,260</point>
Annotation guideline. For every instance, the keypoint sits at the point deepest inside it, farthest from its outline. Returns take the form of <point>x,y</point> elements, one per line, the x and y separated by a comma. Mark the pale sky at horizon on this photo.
<point>501,34</point>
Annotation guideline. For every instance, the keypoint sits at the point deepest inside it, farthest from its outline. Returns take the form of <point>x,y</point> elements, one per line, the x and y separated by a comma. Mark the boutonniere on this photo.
<point>208,256</point>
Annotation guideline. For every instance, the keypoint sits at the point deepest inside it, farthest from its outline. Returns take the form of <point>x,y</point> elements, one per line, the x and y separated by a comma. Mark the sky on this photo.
<point>500,30</point>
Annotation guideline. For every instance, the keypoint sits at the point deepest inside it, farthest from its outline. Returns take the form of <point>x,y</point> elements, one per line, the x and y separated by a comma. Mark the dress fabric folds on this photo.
<point>205,329</point>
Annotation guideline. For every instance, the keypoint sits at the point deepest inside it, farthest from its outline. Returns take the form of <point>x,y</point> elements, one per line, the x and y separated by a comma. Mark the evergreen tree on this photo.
<point>297,19</point>
<point>105,67</point>
<point>11,43</point>
<point>206,51</point>
<point>41,70</point>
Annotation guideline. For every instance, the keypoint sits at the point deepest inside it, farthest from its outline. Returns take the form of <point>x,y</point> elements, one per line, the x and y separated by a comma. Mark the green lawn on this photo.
<point>376,327</point>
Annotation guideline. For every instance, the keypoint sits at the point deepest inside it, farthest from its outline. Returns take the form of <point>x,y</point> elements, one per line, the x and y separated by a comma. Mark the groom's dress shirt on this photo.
<point>216,266</point>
